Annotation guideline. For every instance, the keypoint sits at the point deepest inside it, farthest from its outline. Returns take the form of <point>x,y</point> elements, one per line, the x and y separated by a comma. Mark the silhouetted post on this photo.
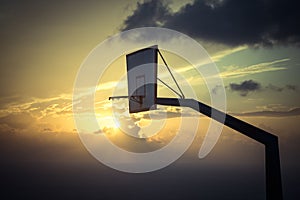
<point>273,175</point>
<point>272,157</point>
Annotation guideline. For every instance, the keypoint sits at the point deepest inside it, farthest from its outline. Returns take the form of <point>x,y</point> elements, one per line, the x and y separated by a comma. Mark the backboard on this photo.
<point>142,79</point>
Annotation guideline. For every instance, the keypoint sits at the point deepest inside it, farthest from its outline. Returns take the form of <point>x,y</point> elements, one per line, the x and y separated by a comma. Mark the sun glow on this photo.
<point>108,122</point>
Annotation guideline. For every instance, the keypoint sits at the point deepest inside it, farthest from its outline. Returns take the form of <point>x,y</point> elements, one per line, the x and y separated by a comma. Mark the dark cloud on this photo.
<point>274,88</point>
<point>216,89</point>
<point>245,87</point>
<point>250,86</point>
<point>231,22</point>
<point>98,131</point>
<point>148,13</point>
<point>291,87</point>
<point>280,89</point>
<point>292,112</point>
<point>47,130</point>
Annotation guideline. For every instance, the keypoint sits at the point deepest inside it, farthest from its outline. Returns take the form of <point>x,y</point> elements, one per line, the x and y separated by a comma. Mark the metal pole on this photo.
<point>272,157</point>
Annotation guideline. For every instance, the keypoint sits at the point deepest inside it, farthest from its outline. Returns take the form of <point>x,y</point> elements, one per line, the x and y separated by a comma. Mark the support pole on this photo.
<point>272,157</point>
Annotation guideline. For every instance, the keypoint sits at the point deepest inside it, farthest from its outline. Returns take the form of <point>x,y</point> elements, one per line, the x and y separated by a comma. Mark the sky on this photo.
<point>254,44</point>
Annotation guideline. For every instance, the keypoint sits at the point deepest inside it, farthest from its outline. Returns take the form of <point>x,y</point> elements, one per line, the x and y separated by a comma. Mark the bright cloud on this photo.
<point>238,71</point>
<point>39,114</point>
<point>219,55</point>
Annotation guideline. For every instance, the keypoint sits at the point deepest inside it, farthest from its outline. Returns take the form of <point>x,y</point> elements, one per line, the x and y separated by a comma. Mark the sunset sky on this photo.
<point>254,43</point>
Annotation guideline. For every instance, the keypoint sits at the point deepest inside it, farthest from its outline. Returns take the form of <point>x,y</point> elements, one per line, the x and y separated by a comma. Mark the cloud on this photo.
<point>245,87</point>
<point>36,114</point>
<point>241,71</point>
<point>221,54</point>
<point>271,113</point>
<point>280,89</point>
<point>235,71</point>
<point>216,89</point>
<point>108,85</point>
<point>36,106</point>
<point>250,86</point>
<point>291,87</point>
<point>148,13</point>
<point>231,22</point>
<point>105,130</point>
<point>47,130</point>
<point>18,121</point>
<point>167,112</point>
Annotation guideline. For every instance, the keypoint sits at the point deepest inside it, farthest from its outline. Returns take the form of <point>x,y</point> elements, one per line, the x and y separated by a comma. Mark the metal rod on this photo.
<point>182,95</point>
<point>118,97</point>
<point>272,156</point>
<point>169,87</point>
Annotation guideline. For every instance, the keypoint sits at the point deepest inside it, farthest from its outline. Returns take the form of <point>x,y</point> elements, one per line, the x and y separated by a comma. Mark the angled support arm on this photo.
<point>272,157</point>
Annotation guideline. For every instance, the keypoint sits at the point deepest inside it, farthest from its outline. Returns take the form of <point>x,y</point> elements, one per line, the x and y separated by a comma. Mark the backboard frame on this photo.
<point>142,66</point>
